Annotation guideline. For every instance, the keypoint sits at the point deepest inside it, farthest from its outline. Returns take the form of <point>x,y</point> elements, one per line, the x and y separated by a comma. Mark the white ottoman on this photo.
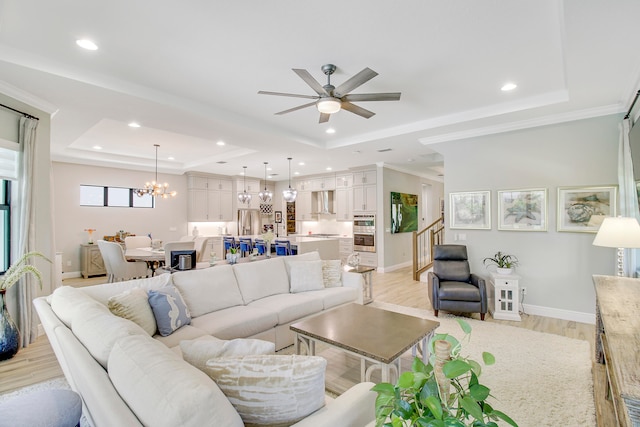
<point>46,408</point>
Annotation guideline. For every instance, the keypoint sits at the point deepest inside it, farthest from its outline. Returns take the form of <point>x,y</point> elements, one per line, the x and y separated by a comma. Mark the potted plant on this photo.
<point>504,262</point>
<point>9,333</point>
<point>232,256</point>
<point>445,392</point>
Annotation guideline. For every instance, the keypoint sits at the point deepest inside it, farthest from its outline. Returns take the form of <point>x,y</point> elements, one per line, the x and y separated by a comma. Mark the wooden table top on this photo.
<point>378,334</point>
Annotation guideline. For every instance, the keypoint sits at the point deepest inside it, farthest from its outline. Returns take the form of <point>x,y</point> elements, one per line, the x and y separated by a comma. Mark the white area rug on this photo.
<point>538,379</point>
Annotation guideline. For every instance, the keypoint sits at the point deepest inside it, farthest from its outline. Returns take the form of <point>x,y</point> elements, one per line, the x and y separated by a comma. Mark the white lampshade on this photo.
<point>329,105</point>
<point>618,232</point>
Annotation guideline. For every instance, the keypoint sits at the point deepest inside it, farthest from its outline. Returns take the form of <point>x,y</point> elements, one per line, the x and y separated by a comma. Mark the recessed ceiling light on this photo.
<point>220,143</point>
<point>134,125</point>
<point>409,160</point>
<point>87,44</point>
<point>97,147</point>
<point>269,169</point>
<point>329,168</point>
<point>508,86</point>
<point>269,176</point>
<point>296,173</point>
<point>301,164</point>
<point>384,150</point>
<point>171,158</point>
<point>330,130</point>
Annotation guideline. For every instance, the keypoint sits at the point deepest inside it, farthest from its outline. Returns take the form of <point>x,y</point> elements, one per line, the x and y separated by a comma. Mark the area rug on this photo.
<point>538,379</point>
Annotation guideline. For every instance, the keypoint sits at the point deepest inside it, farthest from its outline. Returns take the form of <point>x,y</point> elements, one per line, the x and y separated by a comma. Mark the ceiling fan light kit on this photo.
<point>330,99</point>
<point>289,194</point>
<point>154,188</point>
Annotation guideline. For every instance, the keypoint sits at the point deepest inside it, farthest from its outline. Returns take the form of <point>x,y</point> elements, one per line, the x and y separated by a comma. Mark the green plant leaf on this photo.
<point>384,388</point>
<point>479,392</point>
<point>466,328</point>
<point>435,406</point>
<point>430,388</point>
<point>403,409</point>
<point>488,358</point>
<point>504,417</point>
<point>472,407</point>
<point>455,368</point>
<point>475,368</point>
<point>430,423</point>
<point>418,366</point>
<point>406,380</point>
<point>452,422</point>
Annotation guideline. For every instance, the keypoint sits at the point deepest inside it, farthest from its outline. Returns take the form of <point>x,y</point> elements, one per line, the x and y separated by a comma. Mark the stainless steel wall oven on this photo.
<point>364,233</point>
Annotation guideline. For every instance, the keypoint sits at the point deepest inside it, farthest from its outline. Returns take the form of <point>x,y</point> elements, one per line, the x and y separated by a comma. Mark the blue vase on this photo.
<point>9,333</point>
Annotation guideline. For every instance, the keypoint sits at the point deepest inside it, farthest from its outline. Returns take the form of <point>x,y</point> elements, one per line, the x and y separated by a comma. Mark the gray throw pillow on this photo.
<point>169,309</point>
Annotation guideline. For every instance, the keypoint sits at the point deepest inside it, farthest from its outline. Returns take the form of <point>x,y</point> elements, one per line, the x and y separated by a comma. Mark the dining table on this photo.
<point>153,257</point>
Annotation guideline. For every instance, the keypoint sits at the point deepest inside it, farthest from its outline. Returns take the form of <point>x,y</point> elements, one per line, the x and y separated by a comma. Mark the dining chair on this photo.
<point>203,249</point>
<point>261,246</point>
<point>105,259</point>
<point>132,242</point>
<point>175,246</point>
<point>282,249</point>
<point>121,269</point>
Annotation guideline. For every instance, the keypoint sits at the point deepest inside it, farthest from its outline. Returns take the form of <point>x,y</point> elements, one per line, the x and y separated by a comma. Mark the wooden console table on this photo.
<point>618,343</point>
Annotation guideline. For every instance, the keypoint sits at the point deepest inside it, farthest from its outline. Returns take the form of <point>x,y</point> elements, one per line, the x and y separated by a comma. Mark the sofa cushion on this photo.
<point>332,297</point>
<point>290,307</point>
<point>309,256</point>
<point>261,279</point>
<point>67,301</point>
<point>236,322</point>
<point>208,289</point>
<point>98,330</point>
<point>102,293</point>
<point>134,305</point>
<point>187,332</point>
<point>306,276</point>
<point>169,309</point>
<point>197,352</point>
<point>331,273</point>
<point>271,390</point>
<point>164,390</point>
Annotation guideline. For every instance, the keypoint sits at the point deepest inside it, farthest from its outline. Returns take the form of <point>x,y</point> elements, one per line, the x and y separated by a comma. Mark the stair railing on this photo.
<point>423,243</point>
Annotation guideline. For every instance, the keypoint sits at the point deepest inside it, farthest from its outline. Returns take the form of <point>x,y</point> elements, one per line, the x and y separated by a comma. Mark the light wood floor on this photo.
<point>37,363</point>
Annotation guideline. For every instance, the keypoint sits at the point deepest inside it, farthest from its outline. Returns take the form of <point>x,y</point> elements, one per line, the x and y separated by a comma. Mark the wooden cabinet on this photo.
<point>210,199</point>
<point>343,204</point>
<point>291,218</point>
<point>503,296</point>
<point>91,261</point>
<point>364,198</point>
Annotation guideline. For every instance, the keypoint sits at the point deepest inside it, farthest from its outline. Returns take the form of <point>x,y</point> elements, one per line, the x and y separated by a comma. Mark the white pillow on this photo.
<point>306,276</point>
<point>134,305</point>
<point>197,352</point>
<point>332,273</point>
<point>271,390</point>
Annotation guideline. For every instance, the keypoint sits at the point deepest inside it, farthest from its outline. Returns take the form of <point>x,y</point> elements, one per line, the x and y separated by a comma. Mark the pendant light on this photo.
<point>154,188</point>
<point>244,197</point>
<point>290,193</point>
<point>265,195</point>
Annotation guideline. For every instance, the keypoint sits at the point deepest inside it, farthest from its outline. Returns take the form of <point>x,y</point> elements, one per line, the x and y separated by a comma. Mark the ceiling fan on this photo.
<point>331,99</point>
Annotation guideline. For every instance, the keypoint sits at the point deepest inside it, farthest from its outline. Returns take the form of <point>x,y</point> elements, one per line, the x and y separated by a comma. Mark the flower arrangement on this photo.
<point>268,236</point>
<point>19,269</point>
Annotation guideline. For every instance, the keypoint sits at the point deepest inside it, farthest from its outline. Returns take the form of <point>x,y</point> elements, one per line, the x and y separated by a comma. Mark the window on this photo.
<point>94,195</point>
<point>5,225</point>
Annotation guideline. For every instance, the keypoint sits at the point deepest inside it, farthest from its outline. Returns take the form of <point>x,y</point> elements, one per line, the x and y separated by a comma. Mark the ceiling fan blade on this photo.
<point>264,92</point>
<point>357,110</point>
<point>359,79</point>
<point>299,107</point>
<point>324,118</point>
<point>308,78</point>
<point>393,96</point>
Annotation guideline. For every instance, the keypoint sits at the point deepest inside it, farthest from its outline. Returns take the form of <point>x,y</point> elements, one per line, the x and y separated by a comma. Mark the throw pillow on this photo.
<point>271,390</point>
<point>134,305</point>
<point>332,273</point>
<point>197,352</point>
<point>169,309</point>
<point>306,276</point>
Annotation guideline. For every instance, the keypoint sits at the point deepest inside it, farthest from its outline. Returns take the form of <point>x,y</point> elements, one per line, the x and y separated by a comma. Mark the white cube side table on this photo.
<point>504,296</point>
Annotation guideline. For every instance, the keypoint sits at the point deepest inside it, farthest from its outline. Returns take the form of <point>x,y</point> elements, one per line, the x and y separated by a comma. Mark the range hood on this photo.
<point>325,202</point>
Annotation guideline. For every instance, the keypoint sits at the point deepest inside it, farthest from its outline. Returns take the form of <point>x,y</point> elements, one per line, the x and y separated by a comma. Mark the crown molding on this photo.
<point>27,98</point>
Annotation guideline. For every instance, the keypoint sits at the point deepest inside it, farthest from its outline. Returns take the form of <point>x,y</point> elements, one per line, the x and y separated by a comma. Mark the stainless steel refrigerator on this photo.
<point>249,222</point>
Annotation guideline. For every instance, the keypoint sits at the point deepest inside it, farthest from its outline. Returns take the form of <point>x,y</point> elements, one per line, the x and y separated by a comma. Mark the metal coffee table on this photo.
<point>371,334</point>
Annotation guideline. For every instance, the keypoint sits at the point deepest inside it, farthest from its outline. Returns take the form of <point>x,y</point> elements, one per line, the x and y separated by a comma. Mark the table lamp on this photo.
<point>619,232</point>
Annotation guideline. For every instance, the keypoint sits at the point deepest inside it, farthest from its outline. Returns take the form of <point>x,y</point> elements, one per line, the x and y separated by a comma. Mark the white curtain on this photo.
<point>27,318</point>
<point>627,189</point>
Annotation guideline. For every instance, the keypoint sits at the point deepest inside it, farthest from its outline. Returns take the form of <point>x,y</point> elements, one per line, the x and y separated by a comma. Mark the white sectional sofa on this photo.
<point>127,378</point>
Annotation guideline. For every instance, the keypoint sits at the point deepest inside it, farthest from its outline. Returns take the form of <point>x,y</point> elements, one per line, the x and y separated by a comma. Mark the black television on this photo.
<point>175,258</point>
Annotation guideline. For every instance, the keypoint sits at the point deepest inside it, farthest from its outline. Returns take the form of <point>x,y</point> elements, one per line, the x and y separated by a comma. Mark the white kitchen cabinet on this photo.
<point>303,184</point>
<point>210,198</point>
<point>344,181</point>
<point>324,183</point>
<point>304,207</point>
<point>364,177</point>
<point>343,204</point>
<point>252,185</point>
<point>345,249</point>
<point>364,198</point>
<point>370,259</point>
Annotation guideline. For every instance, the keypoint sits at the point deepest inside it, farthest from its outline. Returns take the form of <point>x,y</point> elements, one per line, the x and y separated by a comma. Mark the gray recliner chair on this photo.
<point>453,286</point>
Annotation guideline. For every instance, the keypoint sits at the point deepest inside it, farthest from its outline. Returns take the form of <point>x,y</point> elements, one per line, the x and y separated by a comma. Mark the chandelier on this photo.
<point>154,188</point>
<point>265,195</point>
<point>244,197</point>
<point>290,193</point>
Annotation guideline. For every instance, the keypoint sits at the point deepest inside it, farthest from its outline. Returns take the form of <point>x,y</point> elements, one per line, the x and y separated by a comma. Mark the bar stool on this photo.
<point>261,246</point>
<point>285,244</point>
<point>281,249</point>
<point>245,246</point>
<point>229,242</point>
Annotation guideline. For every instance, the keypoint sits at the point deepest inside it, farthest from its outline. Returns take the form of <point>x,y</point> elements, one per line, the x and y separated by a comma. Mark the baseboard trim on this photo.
<point>394,267</point>
<point>558,313</point>
<point>71,275</point>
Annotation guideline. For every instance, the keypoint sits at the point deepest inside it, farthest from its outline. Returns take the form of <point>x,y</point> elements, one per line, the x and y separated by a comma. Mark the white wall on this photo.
<point>556,267</point>
<point>167,221</point>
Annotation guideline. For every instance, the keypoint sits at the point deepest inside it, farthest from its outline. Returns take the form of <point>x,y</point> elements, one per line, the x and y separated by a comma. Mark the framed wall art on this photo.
<point>470,210</point>
<point>582,209</point>
<point>278,217</point>
<point>522,210</point>
<point>404,212</point>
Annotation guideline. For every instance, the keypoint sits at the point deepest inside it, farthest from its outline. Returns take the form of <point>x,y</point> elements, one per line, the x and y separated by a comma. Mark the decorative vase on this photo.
<point>505,271</point>
<point>267,249</point>
<point>232,258</point>
<point>9,333</point>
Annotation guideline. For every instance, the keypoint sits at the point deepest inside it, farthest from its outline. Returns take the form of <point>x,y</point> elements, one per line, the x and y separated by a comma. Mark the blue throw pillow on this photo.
<point>169,309</point>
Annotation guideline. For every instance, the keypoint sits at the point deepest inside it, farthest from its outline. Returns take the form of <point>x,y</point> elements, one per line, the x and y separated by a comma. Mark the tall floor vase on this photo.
<point>9,333</point>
